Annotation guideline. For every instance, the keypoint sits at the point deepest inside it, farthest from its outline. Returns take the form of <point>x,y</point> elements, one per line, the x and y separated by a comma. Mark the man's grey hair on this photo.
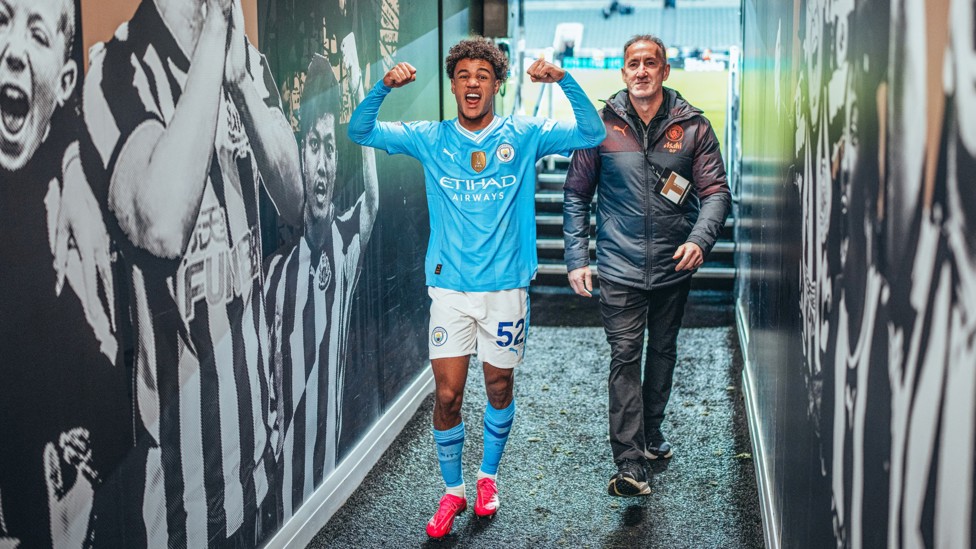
<point>648,38</point>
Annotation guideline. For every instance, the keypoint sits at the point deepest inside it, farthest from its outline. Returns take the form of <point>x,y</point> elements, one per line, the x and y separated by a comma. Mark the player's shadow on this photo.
<point>472,528</point>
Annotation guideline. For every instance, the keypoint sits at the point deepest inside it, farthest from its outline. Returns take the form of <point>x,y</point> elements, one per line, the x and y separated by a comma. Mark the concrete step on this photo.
<point>551,250</point>
<point>551,179</point>
<point>722,246</point>
<point>553,219</point>
<point>549,196</point>
<point>549,224</point>
<point>718,273</point>
<point>553,276</point>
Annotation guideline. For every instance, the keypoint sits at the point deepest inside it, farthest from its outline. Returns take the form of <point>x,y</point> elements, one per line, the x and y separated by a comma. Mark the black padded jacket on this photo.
<point>638,229</point>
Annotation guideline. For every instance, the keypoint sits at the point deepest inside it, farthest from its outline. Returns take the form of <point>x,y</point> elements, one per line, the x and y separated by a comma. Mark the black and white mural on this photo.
<point>877,98</point>
<point>64,400</point>
<point>201,308</point>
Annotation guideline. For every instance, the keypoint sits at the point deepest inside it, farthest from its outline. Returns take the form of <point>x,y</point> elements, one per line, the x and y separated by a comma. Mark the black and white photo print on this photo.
<point>58,338</point>
<point>184,125</point>
<point>311,284</point>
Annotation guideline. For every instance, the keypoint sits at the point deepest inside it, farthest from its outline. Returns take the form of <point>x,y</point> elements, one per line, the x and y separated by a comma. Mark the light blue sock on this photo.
<point>449,445</point>
<point>498,423</point>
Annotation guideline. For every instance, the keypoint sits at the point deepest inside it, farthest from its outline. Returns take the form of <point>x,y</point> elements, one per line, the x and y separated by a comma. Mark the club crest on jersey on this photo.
<point>325,272</point>
<point>505,152</point>
<point>479,160</point>
<point>438,336</point>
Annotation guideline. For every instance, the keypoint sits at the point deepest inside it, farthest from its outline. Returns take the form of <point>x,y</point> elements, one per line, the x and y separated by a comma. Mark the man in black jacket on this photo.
<point>663,201</point>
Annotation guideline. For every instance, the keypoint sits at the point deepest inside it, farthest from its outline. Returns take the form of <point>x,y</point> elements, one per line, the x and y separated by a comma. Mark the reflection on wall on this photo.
<point>166,384</point>
<point>883,148</point>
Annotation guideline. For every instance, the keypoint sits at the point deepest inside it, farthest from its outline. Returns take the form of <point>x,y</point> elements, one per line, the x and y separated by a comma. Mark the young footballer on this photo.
<point>480,179</point>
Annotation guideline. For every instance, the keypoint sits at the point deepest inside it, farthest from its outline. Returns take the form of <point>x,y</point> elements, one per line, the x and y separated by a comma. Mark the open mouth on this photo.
<point>472,99</point>
<point>14,107</point>
<point>320,193</point>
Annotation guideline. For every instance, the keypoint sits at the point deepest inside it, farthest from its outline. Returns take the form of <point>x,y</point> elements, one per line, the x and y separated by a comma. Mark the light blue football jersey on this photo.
<point>480,186</point>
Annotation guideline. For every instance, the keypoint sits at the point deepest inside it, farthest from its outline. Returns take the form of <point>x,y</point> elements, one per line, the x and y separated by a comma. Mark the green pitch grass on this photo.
<point>705,90</point>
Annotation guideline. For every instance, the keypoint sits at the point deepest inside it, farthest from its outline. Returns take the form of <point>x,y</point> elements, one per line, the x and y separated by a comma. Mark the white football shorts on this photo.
<point>493,324</point>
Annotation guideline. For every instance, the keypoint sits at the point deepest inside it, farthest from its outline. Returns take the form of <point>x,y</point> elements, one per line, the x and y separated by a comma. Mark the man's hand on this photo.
<point>545,72</point>
<point>400,75</point>
<point>70,506</point>
<point>82,252</point>
<point>689,256</point>
<point>350,60</point>
<point>582,281</point>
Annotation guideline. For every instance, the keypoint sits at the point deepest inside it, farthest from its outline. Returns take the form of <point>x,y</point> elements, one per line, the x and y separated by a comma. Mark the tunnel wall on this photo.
<point>192,353</point>
<point>856,291</point>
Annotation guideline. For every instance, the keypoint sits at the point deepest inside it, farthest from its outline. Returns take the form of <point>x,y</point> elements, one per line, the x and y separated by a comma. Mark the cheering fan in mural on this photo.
<point>185,123</point>
<point>480,180</point>
<point>63,402</point>
<point>310,287</point>
<point>37,84</point>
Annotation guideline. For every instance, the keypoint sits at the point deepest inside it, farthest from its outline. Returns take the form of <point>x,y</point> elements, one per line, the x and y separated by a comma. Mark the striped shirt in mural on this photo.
<point>202,380</point>
<point>309,296</point>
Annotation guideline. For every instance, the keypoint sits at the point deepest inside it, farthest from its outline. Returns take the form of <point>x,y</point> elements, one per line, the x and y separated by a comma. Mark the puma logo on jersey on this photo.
<point>621,129</point>
<point>449,153</point>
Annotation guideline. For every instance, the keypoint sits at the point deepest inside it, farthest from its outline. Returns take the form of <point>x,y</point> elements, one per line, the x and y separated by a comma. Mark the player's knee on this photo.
<point>499,392</point>
<point>449,400</point>
<point>500,399</point>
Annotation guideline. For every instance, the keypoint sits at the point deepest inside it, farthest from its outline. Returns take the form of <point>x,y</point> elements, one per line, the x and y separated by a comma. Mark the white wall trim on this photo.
<point>299,530</point>
<point>771,525</point>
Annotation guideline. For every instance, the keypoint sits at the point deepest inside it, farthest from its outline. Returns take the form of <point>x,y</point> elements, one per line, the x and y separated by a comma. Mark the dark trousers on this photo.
<point>637,410</point>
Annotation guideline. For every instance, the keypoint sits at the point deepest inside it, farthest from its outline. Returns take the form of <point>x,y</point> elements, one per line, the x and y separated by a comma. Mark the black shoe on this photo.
<point>659,450</point>
<point>630,480</point>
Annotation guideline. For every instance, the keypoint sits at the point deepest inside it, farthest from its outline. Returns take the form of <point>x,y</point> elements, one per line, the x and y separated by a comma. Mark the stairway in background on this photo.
<point>717,274</point>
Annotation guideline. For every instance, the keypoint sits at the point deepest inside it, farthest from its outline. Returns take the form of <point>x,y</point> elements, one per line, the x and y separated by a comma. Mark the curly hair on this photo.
<point>478,48</point>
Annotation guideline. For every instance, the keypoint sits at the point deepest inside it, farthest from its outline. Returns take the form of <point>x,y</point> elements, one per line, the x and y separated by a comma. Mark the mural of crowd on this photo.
<point>167,383</point>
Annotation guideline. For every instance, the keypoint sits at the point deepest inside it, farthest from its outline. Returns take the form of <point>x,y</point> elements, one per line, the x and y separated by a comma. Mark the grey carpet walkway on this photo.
<point>553,477</point>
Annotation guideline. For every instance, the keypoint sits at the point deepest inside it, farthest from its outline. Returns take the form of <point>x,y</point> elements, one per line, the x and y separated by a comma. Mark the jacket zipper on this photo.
<point>668,122</point>
<point>647,219</point>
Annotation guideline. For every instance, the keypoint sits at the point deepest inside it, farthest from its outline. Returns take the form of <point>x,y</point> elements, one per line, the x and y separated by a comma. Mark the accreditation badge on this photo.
<point>479,160</point>
<point>672,186</point>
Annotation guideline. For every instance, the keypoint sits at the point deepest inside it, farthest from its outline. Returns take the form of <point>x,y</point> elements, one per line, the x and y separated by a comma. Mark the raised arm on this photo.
<point>371,198</point>
<point>589,126</point>
<point>274,145</point>
<point>157,185</point>
<point>562,137</point>
<point>363,126</point>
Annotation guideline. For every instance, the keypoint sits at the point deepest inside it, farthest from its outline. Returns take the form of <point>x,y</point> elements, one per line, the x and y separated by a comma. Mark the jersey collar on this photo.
<point>481,135</point>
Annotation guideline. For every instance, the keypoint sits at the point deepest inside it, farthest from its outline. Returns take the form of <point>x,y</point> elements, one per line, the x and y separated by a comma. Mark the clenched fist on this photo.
<point>544,71</point>
<point>400,75</point>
